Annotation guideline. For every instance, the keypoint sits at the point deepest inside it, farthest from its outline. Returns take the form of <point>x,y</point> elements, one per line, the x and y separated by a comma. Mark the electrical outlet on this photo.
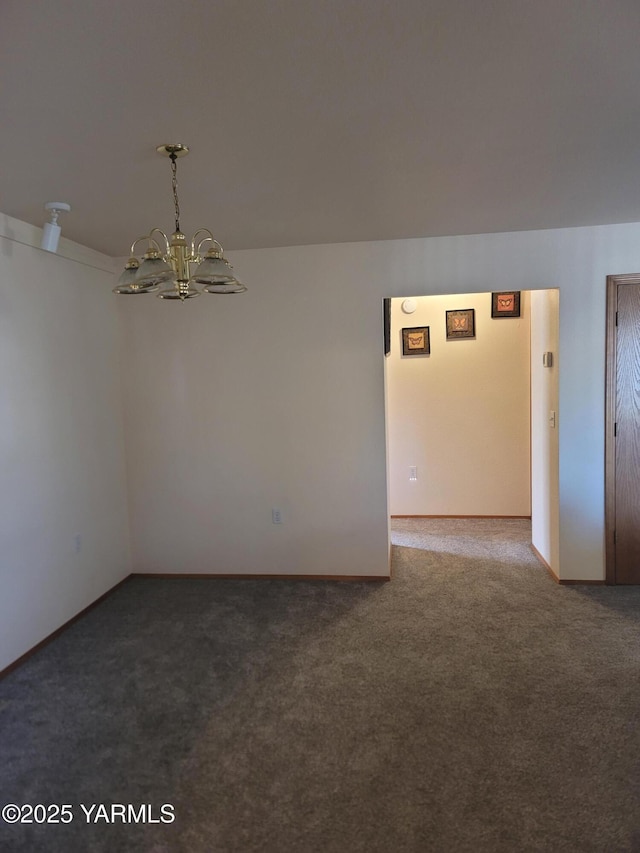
<point>276,516</point>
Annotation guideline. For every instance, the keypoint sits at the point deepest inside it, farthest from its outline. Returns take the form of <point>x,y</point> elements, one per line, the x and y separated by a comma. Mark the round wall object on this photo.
<point>409,305</point>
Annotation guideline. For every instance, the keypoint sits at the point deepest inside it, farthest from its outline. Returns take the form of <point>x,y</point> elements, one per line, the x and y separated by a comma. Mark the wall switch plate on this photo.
<point>276,516</point>
<point>413,472</point>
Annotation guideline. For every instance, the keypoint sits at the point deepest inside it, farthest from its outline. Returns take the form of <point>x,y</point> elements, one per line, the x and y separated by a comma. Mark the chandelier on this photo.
<point>176,262</point>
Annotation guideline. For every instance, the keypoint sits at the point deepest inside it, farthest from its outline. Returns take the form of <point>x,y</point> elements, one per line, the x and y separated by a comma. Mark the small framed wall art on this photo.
<point>415,341</point>
<point>461,324</point>
<point>506,304</point>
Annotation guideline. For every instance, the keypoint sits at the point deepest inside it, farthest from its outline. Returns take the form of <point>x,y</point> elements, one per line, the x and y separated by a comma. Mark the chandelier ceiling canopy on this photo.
<point>181,264</point>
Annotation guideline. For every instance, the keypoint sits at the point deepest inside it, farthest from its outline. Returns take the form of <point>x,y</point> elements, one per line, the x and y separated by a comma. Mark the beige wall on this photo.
<point>461,414</point>
<point>544,435</point>
<point>61,440</point>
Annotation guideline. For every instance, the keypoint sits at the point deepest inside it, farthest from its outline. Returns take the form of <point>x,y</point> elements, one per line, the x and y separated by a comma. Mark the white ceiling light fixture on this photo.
<point>51,230</point>
<point>170,260</point>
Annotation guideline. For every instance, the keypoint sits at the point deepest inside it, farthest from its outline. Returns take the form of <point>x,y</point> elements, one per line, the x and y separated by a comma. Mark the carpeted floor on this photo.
<point>469,705</point>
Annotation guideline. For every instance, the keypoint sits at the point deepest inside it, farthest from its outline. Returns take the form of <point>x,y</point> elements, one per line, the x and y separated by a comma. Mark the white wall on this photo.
<point>239,404</point>
<point>275,397</point>
<point>61,439</point>
<point>544,435</point>
<point>460,414</point>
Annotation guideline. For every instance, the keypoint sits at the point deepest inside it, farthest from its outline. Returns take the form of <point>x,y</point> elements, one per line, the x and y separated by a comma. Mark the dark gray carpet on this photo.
<point>469,705</point>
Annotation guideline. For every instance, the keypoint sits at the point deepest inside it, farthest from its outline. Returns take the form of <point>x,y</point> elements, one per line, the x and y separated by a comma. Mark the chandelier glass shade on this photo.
<point>187,268</point>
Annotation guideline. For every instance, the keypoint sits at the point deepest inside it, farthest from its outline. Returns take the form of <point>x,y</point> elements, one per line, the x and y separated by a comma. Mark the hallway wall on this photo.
<point>545,532</point>
<point>460,415</point>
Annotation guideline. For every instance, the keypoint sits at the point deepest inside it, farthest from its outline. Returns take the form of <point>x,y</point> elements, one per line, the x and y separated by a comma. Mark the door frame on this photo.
<point>613,283</point>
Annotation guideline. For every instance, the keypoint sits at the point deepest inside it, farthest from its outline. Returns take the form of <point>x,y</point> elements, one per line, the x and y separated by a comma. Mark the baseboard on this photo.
<point>537,553</point>
<point>525,517</point>
<point>555,577</point>
<point>245,577</point>
<point>19,661</point>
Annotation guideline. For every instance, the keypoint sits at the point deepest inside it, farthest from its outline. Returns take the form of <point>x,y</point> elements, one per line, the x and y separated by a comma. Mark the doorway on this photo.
<point>472,420</point>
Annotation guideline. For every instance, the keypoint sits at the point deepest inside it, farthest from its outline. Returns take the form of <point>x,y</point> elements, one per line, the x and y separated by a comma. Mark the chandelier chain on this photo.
<point>174,184</point>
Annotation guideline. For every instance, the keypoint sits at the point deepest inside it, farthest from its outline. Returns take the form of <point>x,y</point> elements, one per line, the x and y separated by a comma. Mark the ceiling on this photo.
<point>320,121</point>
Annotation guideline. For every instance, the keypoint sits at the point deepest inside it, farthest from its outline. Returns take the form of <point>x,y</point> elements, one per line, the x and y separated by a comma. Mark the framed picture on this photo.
<point>461,324</point>
<point>415,341</point>
<point>506,304</point>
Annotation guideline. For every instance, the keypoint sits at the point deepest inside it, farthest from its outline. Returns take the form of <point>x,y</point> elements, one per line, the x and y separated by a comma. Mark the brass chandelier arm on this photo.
<point>149,239</point>
<point>195,250</point>
<point>164,237</point>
